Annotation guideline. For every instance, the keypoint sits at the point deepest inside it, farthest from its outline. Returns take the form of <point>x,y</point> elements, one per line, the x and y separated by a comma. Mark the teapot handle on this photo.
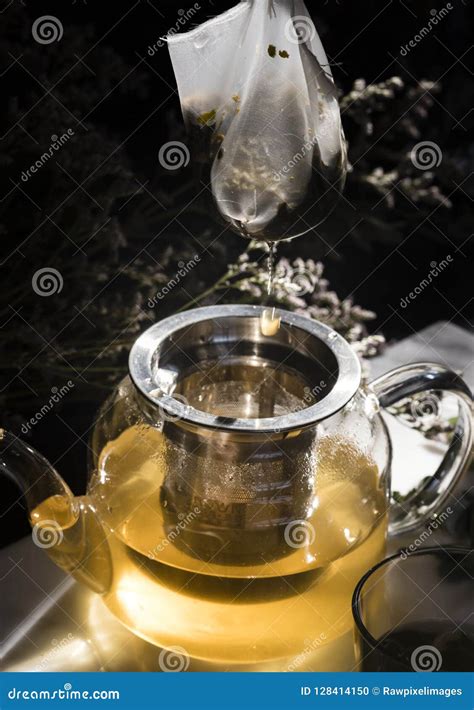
<point>430,497</point>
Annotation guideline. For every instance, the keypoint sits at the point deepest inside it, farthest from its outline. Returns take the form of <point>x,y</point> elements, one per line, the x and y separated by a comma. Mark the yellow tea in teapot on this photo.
<point>287,610</point>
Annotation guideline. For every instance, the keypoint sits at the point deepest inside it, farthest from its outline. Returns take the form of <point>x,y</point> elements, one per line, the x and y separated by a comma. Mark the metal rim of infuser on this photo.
<point>182,342</point>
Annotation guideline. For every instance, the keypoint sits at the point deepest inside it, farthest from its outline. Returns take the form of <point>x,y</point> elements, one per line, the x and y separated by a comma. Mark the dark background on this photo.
<point>103,212</point>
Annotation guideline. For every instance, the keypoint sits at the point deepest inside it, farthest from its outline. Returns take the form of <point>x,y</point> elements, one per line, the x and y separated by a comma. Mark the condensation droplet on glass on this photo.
<point>201,41</point>
<point>371,405</point>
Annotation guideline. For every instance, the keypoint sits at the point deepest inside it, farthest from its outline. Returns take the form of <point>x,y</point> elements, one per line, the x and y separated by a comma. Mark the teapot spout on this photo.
<point>65,526</point>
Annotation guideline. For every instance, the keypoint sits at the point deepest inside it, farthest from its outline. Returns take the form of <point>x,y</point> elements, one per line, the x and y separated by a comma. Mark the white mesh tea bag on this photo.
<point>260,104</point>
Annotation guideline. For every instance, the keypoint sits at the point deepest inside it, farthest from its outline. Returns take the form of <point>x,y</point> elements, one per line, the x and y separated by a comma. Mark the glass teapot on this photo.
<point>239,487</point>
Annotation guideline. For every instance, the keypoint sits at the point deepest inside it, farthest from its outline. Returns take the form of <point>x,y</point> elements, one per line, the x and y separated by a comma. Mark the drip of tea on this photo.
<point>270,320</point>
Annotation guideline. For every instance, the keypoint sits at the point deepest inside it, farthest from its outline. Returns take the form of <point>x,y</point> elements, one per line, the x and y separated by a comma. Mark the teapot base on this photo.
<point>299,622</point>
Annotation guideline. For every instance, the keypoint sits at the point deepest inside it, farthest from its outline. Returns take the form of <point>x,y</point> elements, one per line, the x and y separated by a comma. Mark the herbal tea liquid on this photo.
<point>231,614</point>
